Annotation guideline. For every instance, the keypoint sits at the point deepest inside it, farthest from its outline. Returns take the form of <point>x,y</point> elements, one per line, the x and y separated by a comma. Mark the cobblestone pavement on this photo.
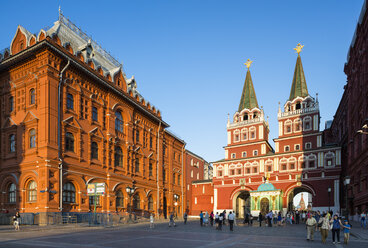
<point>190,235</point>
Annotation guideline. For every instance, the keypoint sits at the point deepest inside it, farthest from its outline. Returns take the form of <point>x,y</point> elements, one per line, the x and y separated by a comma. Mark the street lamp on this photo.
<point>364,129</point>
<point>329,198</point>
<point>130,191</point>
<point>346,183</point>
<point>176,197</point>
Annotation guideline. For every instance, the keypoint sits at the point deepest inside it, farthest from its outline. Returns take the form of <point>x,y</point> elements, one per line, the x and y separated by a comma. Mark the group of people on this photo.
<point>325,223</point>
<point>219,219</point>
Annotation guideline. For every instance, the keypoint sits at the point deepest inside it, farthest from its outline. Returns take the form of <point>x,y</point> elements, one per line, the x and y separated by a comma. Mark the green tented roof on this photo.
<point>248,98</point>
<point>299,85</point>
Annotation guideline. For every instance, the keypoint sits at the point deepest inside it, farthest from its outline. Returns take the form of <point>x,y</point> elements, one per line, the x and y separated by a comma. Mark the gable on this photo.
<point>29,117</point>
<point>72,122</point>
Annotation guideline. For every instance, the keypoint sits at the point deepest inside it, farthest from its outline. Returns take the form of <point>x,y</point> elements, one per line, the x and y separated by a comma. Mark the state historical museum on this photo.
<point>254,177</point>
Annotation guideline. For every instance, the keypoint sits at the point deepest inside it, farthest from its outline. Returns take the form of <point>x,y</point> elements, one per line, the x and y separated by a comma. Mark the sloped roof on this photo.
<point>299,85</point>
<point>248,98</point>
<point>266,187</point>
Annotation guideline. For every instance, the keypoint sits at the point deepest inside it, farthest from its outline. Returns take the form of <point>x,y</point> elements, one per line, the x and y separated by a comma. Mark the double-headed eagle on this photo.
<point>298,48</point>
<point>248,63</point>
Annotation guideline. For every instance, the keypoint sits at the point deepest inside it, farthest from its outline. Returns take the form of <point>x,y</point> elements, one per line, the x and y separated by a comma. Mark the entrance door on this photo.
<point>242,204</point>
<point>265,206</point>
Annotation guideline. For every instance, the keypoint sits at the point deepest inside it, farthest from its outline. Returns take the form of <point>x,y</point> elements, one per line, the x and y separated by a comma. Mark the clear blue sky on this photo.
<point>187,56</point>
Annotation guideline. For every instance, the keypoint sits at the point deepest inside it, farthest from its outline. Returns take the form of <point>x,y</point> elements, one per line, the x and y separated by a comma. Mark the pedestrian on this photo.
<point>274,217</point>
<point>250,219</point>
<point>260,218</point>
<point>231,218</point>
<point>363,220</point>
<point>279,219</point>
<point>16,219</point>
<point>347,228</point>
<point>324,221</point>
<point>217,220</point>
<point>246,219</point>
<point>172,222</point>
<point>201,218</point>
<point>185,218</point>
<point>303,216</point>
<point>206,217</point>
<point>317,216</point>
<point>336,225</point>
<point>211,218</point>
<point>269,218</point>
<point>152,219</point>
<point>220,221</point>
<point>311,226</point>
<point>224,217</point>
<point>297,216</point>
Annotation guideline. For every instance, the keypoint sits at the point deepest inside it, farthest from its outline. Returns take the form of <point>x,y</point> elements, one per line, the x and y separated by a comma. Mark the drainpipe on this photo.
<point>59,136</point>
<point>157,169</point>
<point>182,179</point>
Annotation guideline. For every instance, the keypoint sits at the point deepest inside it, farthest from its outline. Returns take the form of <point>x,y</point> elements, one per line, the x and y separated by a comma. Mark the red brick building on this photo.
<point>195,167</point>
<point>254,177</point>
<point>71,117</point>
<point>349,127</point>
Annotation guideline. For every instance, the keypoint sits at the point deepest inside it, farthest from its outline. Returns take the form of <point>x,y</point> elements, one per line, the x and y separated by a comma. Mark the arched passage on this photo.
<point>300,198</point>
<point>241,203</point>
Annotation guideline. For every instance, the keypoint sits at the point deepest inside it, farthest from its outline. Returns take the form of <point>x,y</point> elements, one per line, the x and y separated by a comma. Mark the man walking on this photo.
<point>172,222</point>
<point>185,218</point>
<point>231,218</point>
<point>311,226</point>
<point>201,218</point>
<point>269,218</point>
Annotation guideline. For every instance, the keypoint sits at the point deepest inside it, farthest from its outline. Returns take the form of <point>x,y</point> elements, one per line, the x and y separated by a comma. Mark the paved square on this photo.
<point>190,235</point>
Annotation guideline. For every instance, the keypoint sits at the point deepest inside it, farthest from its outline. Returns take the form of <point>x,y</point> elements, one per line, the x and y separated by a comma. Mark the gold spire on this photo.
<point>298,48</point>
<point>248,63</point>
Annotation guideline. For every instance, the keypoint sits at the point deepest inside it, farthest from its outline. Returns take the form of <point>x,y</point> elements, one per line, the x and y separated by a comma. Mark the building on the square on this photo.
<point>350,124</point>
<point>71,117</point>
<point>195,170</point>
<point>208,171</point>
<point>255,178</point>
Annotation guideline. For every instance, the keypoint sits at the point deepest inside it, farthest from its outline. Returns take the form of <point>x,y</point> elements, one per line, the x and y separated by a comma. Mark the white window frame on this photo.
<point>305,121</point>
<point>254,152</point>
<point>308,143</point>
<point>286,124</point>
<point>244,153</point>
<point>287,148</point>
<point>251,130</point>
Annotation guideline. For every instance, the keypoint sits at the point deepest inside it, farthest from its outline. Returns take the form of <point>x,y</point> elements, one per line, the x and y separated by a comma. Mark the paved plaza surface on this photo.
<point>190,235</point>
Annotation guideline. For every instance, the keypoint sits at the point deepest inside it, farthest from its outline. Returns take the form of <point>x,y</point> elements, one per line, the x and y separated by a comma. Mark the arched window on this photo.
<point>245,117</point>
<point>12,193</point>
<point>94,114</point>
<point>307,123</point>
<point>150,169</point>
<point>283,165</point>
<point>150,203</point>
<point>220,171</point>
<point>292,163</point>
<point>236,136</point>
<point>12,143</point>
<point>119,199</point>
<point>32,191</point>
<point>244,134</point>
<point>297,125</point>
<point>298,105</point>
<point>136,165</point>
<point>32,138</point>
<point>69,142</point>
<point>69,193</point>
<point>32,96</point>
<point>252,133</point>
<point>119,124</point>
<point>94,150</point>
<point>118,156</point>
<point>11,104</point>
<point>288,127</point>
<point>269,166</point>
<point>69,101</point>
<point>329,159</point>
<point>312,161</point>
<point>136,201</point>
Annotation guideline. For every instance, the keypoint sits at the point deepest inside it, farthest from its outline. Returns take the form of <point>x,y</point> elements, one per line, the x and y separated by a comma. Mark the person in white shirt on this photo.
<point>152,219</point>
<point>363,219</point>
<point>231,218</point>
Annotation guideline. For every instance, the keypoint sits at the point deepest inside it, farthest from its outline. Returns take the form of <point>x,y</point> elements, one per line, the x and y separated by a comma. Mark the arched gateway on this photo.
<point>241,203</point>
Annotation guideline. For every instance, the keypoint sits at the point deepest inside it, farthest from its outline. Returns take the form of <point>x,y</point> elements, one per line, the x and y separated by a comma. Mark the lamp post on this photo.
<point>130,191</point>
<point>176,197</point>
<point>329,198</point>
<point>346,183</point>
